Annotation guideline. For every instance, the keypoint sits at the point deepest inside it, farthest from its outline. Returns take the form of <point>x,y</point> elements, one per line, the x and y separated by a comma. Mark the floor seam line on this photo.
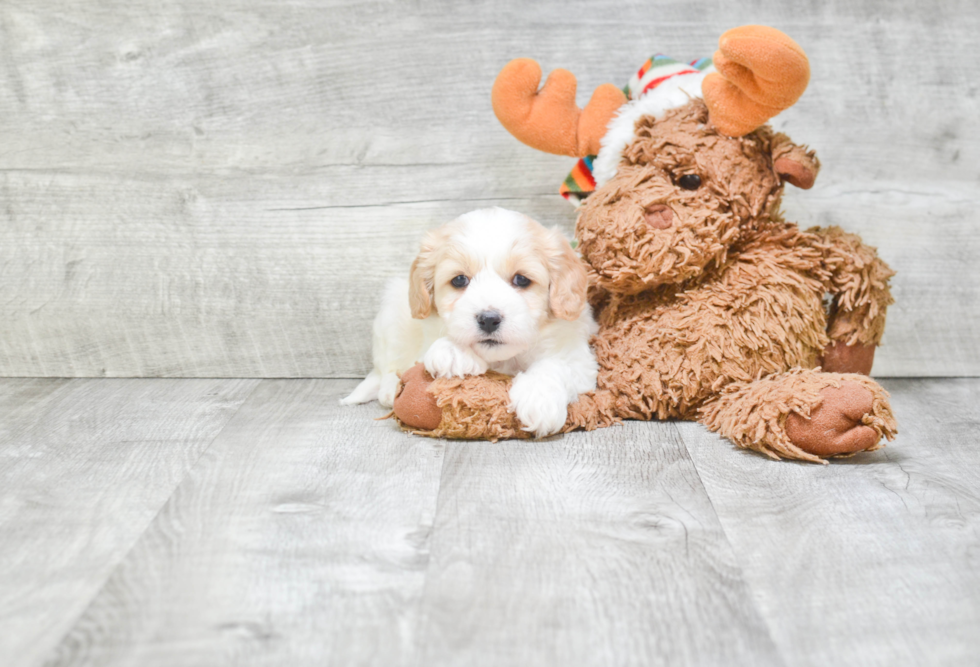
<point>731,546</point>
<point>52,654</point>
<point>428,563</point>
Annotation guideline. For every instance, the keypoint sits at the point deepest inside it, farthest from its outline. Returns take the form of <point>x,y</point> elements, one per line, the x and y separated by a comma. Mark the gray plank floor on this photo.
<point>220,522</point>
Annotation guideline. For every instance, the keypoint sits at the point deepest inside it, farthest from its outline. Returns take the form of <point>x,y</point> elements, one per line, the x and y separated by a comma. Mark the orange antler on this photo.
<point>761,71</point>
<point>549,120</point>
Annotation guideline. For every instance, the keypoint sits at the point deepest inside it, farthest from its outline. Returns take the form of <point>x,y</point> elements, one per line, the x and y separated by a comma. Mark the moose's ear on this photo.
<point>794,164</point>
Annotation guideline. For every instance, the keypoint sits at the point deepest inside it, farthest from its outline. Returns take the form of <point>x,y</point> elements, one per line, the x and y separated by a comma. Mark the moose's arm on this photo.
<point>857,280</point>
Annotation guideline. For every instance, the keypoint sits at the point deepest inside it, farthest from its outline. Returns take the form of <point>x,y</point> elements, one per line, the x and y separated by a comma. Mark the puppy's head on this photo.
<point>495,277</point>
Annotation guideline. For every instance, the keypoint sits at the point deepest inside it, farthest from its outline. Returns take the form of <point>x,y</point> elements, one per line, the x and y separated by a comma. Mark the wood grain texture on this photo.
<point>307,533</point>
<point>220,190</point>
<point>874,560</point>
<point>592,549</point>
<point>301,537</point>
<point>84,467</point>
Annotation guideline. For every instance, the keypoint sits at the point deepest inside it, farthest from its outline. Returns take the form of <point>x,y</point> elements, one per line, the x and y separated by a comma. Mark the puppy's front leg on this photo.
<point>540,395</point>
<point>445,359</point>
<point>539,401</point>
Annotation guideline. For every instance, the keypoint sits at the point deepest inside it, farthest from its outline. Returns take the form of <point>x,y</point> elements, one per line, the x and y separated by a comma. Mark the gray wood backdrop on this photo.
<point>219,189</point>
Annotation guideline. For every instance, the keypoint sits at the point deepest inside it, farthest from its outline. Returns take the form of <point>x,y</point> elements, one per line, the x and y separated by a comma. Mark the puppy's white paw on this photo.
<point>540,403</point>
<point>446,360</point>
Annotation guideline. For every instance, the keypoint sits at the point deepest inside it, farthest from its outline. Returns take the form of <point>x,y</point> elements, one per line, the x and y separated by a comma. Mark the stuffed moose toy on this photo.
<point>711,306</point>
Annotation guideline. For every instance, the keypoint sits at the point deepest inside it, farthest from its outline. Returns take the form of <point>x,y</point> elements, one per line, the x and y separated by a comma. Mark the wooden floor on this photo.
<point>255,522</point>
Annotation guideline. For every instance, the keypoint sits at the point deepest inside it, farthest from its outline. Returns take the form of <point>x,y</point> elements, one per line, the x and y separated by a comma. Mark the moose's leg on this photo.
<point>469,408</point>
<point>477,407</point>
<point>857,279</point>
<point>803,414</point>
<point>414,406</point>
<point>842,357</point>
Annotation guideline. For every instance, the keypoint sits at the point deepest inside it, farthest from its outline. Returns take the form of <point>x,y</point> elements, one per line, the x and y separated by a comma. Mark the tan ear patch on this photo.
<point>568,281</point>
<point>421,278</point>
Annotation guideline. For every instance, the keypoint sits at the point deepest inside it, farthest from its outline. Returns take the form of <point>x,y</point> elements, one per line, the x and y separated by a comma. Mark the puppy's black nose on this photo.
<point>489,320</point>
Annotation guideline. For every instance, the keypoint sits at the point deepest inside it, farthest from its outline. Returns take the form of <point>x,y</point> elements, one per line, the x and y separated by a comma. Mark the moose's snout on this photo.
<point>658,216</point>
<point>488,320</point>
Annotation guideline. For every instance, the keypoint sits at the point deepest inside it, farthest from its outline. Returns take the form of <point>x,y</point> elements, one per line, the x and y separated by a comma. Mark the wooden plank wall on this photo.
<point>221,189</point>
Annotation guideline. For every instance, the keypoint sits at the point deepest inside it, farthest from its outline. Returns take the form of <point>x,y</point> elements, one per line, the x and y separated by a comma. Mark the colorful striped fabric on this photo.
<point>579,184</point>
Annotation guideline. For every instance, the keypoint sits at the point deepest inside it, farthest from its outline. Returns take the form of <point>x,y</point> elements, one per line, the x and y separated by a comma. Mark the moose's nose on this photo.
<point>658,216</point>
<point>489,320</point>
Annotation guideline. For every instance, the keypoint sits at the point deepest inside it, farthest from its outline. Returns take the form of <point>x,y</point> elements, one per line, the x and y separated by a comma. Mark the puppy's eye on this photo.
<point>520,281</point>
<point>460,281</point>
<point>689,181</point>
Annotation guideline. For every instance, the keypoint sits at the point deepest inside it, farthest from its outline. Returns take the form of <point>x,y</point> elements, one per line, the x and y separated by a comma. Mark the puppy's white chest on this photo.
<point>509,366</point>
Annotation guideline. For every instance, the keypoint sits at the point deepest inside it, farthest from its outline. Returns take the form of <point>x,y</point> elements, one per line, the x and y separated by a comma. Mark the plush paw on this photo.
<point>841,358</point>
<point>413,405</point>
<point>836,425</point>
<point>447,360</point>
<point>540,403</point>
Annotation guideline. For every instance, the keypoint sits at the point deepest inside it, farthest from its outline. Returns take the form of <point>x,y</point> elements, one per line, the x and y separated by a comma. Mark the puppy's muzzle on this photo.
<point>488,321</point>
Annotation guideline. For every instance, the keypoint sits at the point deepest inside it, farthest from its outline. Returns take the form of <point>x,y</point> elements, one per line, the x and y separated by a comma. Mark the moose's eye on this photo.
<point>460,281</point>
<point>520,281</point>
<point>689,181</point>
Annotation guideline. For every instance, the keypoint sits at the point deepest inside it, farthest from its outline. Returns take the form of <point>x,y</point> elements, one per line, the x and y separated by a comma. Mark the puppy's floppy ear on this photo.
<point>421,279</point>
<point>568,280</point>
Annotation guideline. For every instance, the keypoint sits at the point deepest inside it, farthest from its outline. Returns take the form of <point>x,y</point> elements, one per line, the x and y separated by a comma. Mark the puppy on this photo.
<point>492,289</point>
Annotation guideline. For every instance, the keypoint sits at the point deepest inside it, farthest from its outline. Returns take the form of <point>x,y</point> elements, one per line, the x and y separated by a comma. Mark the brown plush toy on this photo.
<point>711,307</point>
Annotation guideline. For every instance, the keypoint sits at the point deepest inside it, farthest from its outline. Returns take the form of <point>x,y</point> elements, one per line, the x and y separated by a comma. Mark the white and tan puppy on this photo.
<point>492,289</point>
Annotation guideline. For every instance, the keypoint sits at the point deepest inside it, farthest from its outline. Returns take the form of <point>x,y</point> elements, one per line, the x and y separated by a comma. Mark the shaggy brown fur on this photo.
<point>757,412</point>
<point>710,305</point>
